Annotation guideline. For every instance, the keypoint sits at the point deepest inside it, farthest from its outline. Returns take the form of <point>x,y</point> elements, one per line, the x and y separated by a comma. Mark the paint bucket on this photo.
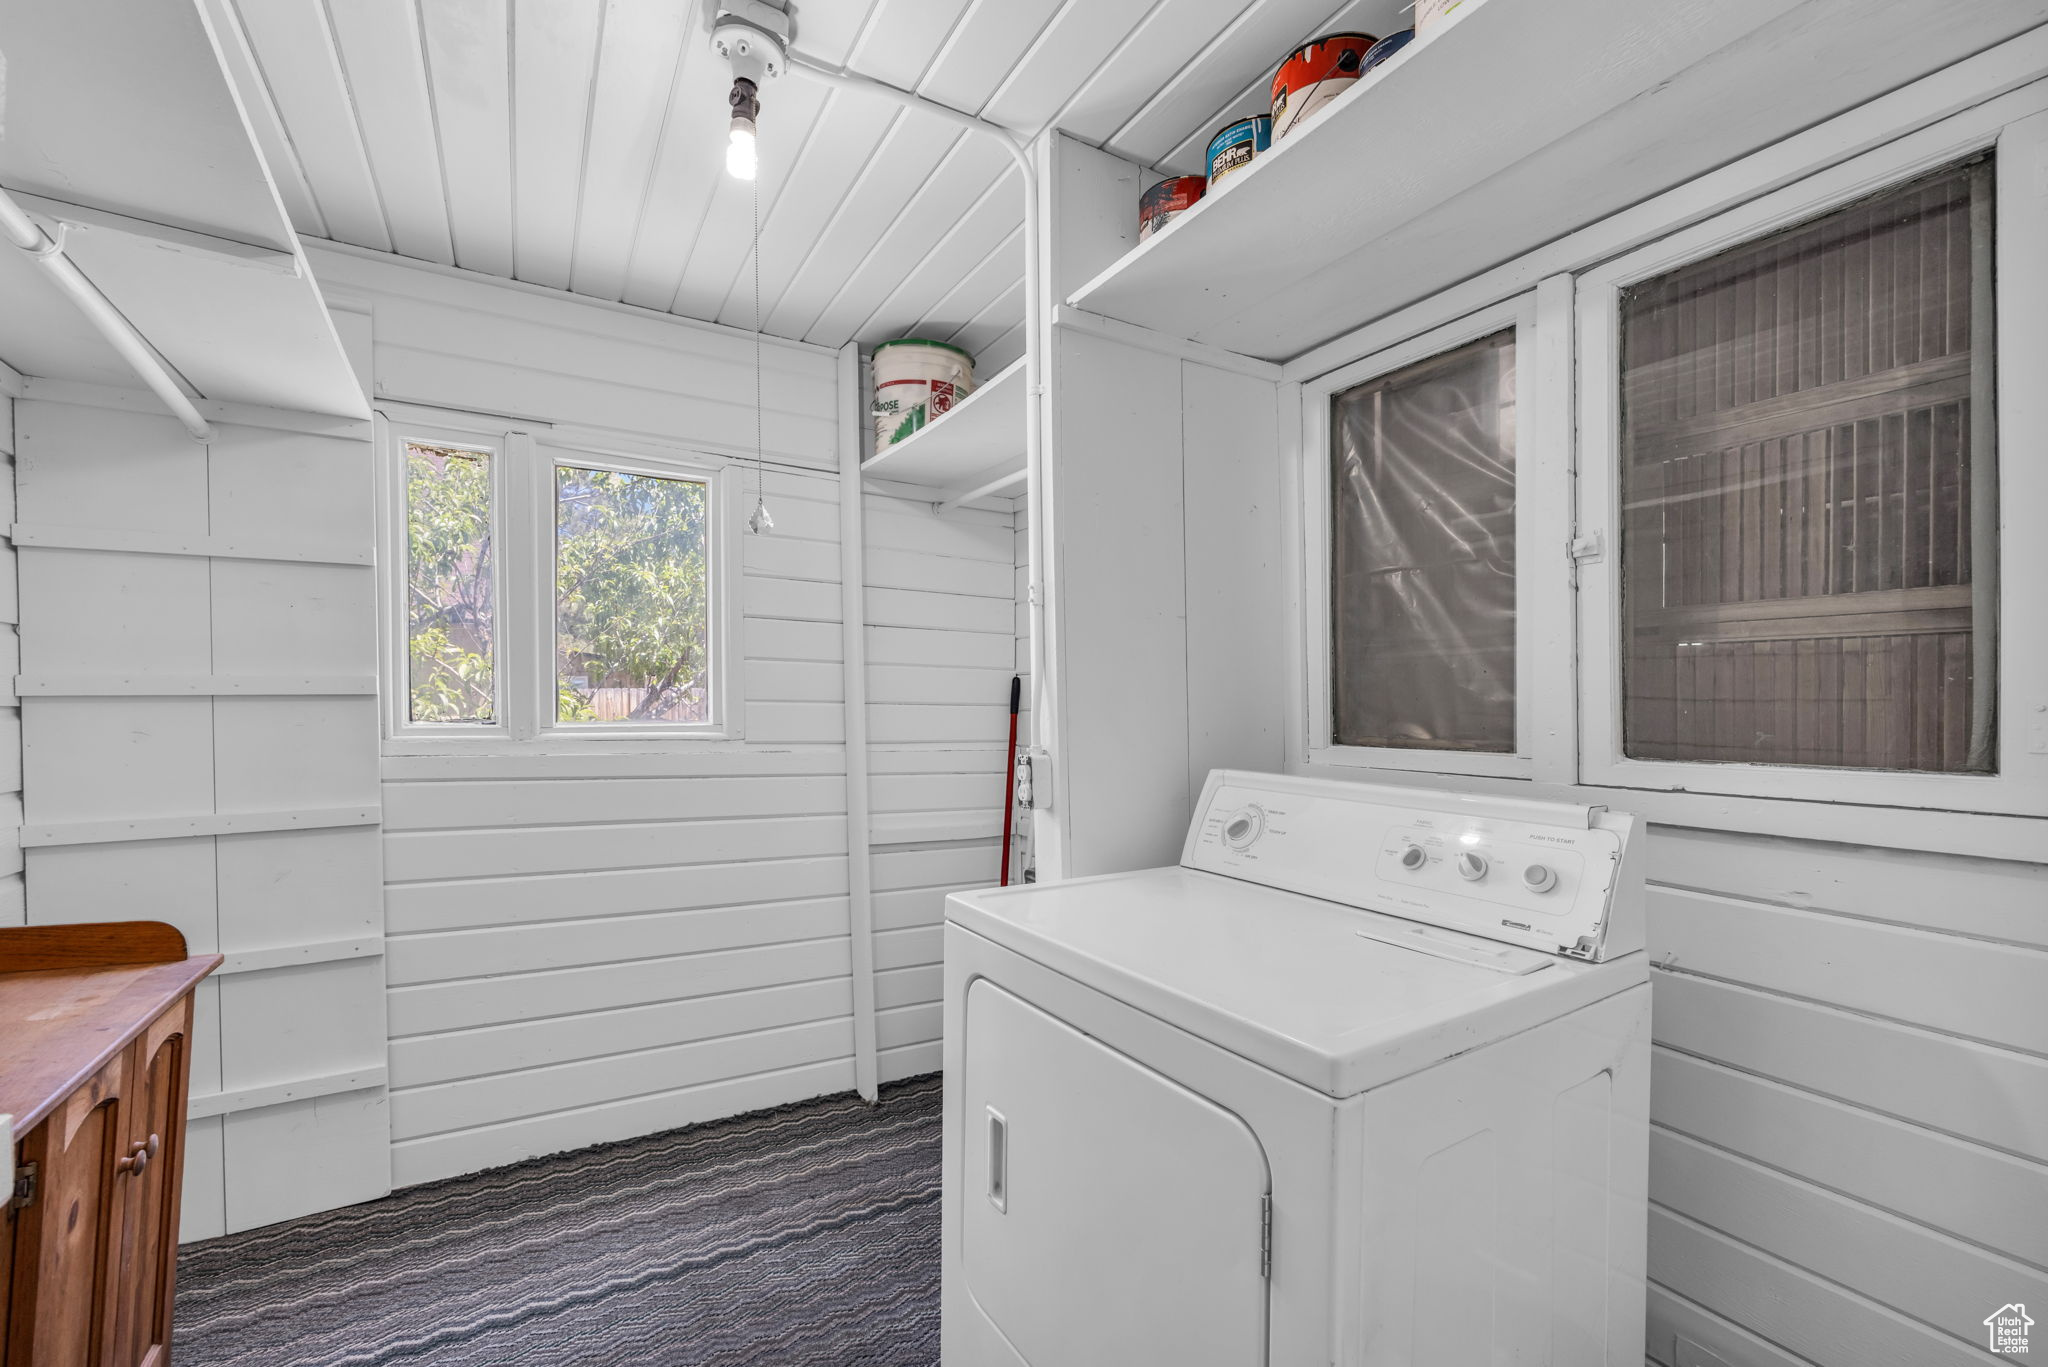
<point>1235,144</point>
<point>916,381</point>
<point>1385,48</point>
<point>1430,13</point>
<point>1314,74</point>
<point>1166,201</point>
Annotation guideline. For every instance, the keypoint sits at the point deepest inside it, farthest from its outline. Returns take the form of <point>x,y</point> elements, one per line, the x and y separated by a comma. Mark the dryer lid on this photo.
<point>1336,998</point>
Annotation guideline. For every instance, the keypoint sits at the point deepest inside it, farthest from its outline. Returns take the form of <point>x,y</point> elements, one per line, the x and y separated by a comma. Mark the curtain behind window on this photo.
<point>1423,554</point>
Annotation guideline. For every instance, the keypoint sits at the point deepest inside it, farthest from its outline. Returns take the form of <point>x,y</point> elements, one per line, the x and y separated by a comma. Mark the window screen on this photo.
<point>450,608</point>
<point>1807,450</point>
<point>1422,593</point>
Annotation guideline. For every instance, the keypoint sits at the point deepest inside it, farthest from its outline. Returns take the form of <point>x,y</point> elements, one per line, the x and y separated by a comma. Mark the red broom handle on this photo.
<point>1010,776</point>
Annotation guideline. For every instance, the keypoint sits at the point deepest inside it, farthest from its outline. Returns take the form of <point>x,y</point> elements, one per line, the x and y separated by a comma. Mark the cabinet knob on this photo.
<point>137,1160</point>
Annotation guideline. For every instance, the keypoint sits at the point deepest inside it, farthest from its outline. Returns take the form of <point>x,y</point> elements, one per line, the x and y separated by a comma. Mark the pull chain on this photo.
<point>760,521</point>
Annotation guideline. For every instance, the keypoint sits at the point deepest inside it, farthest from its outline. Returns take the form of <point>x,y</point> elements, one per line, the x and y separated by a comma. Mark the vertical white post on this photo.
<point>853,633</point>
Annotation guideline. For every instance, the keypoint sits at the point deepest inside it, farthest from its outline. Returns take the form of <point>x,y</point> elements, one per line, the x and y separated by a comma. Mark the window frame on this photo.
<point>394,571</point>
<point>1541,320</point>
<point>523,526</point>
<point>2020,292</point>
<point>721,563</point>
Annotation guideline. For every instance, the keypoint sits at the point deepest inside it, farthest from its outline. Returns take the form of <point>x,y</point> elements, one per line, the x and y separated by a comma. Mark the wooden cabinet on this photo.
<point>95,1030</point>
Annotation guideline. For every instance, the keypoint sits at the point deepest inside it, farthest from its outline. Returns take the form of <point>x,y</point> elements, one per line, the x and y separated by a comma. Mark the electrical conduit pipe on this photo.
<point>1034,385</point>
<point>101,313</point>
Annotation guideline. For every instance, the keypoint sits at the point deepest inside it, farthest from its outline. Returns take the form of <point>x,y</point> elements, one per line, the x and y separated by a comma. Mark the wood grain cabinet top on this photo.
<point>95,1067</point>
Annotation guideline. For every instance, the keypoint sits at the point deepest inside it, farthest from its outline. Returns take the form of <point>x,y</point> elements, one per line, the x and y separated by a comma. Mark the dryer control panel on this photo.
<point>1549,876</point>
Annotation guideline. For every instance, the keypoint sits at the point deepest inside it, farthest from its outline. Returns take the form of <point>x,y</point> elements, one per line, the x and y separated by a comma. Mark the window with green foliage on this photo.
<point>544,592</point>
<point>632,638</point>
<point>450,612</point>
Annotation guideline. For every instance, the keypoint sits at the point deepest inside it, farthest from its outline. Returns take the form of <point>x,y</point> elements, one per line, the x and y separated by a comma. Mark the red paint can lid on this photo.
<point>1355,45</point>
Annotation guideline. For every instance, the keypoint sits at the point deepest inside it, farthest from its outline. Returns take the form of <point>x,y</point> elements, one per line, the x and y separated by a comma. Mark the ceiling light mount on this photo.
<point>753,38</point>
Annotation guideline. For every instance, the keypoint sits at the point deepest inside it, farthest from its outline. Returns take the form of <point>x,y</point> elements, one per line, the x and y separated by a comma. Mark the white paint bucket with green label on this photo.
<point>916,382</point>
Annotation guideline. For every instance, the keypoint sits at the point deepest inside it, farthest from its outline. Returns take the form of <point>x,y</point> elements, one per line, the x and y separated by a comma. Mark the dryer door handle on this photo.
<point>998,1160</point>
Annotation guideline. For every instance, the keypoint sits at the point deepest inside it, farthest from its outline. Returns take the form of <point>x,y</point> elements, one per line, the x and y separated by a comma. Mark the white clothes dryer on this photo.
<point>1364,1080</point>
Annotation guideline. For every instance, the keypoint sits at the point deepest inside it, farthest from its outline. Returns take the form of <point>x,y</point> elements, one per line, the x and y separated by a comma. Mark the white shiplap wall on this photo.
<point>940,650</point>
<point>1849,1153</point>
<point>592,946</point>
<point>199,747</point>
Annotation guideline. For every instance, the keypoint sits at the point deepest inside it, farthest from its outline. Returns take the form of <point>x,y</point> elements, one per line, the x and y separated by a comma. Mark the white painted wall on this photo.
<point>940,646</point>
<point>1165,493</point>
<point>594,946</point>
<point>199,731</point>
<point>1849,1149</point>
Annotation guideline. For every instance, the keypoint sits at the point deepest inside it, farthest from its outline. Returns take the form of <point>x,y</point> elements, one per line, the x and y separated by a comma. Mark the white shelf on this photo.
<point>130,133</point>
<point>976,444</point>
<point>1514,124</point>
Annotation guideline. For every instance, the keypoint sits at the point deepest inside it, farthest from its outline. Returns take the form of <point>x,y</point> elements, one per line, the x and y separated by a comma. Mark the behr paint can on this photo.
<point>1314,74</point>
<point>1166,201</point>
<point>1386,47</point>
<point>1235,144</point>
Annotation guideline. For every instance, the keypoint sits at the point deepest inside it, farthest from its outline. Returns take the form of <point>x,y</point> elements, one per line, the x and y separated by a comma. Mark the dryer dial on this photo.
<point>1244,827</point>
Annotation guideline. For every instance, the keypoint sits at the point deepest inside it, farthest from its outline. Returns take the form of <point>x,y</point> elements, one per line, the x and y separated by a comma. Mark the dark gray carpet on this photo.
<point>803,1235</point>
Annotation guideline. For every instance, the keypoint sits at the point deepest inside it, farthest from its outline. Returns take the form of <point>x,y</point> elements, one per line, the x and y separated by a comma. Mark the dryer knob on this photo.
<point>1471,866</point>
<point>1539,878</point>
<point>1242,830</point>
<point>1414,857</point>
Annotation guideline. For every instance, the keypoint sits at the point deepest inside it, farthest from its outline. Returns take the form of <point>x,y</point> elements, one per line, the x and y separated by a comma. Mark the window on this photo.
<point>1728,496</point>
<point>632,616</point>
<point>1800,420</point>
<point>450,585</point>
<point>546,593</point>
<point>1806,433</point>
<point>1440,459</point>
<point>1422,561</point>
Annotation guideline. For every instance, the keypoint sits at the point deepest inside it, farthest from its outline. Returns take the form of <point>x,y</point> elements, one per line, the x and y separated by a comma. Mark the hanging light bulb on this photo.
<point>753,37</point>
<point>741,158</point>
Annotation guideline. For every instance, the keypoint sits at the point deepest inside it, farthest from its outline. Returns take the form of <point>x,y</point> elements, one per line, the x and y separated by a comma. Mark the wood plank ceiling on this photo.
<point>579,144</point>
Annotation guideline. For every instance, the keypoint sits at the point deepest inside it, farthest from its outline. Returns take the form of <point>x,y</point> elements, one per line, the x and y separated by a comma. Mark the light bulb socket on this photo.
<point>745,100</point>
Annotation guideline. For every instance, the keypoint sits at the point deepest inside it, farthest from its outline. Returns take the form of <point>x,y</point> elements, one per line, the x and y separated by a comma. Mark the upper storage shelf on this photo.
<point>1512,125</point>
<point>968,449</point>
<point>125,134</point>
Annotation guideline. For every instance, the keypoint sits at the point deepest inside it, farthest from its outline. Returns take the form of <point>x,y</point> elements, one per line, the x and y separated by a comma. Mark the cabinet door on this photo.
<point>63,1235</point>
<point>8,1222</point>
<point>142,1267</point>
